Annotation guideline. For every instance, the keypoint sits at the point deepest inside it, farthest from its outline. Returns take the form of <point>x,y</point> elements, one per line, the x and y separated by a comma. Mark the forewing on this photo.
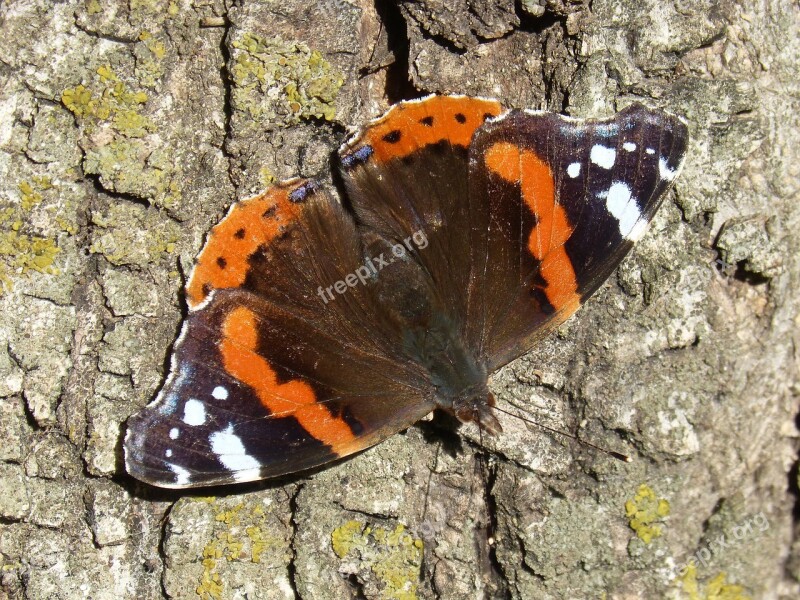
<point>555,205</point>
<point>406,175</point>
<point>272,373</point>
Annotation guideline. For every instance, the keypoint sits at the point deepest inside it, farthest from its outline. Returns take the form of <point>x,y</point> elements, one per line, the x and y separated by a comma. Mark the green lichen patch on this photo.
<point>22,248</point>
<point>392,556</point>
<point>279,82</point>
<point>150,53</point>
<point>108,101</point>
<point>644,511</point>
<point>714,589</point>
<point>129,234</point>
<point>241,535</point>
<point>120,141</point>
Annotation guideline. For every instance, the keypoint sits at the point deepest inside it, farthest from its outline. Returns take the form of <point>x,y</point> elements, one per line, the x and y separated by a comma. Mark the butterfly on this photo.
<point>319,327</point>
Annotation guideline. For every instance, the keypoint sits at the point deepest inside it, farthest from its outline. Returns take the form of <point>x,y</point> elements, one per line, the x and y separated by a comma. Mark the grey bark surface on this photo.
<point>128,127</point>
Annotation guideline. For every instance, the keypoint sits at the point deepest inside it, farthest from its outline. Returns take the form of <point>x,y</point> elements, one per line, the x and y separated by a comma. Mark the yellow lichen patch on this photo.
<point>266,176</point>
<point>345,537</point>
<point>714,589</point>
<point>144,8</point>
<point>30,196</point>
<point>150,53</point>
<point>210,587</point>
<point>117,134</point>
<point>392,555</point>
<point>241,534</point>
<point>306,82</point>
<point>78,100</point>
<point>21,249</point>
<point>127,234</point>
<point>21,253</point>
<point>644,511</point>
<point>229,516</point>
<point>152,44</point>
<point>109,102</point>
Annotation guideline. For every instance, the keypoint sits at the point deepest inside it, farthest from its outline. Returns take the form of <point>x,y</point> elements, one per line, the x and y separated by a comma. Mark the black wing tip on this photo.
<point>636,113</point>
<point>639,112</point>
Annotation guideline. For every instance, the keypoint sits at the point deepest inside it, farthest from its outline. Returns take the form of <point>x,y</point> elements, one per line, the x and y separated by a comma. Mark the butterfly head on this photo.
<point>474,405</point>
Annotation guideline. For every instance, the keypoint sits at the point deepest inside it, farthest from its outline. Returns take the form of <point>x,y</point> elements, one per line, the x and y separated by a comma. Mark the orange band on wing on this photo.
<point>552,229</point>
<point>239,350</point>
<point>223,262</point>
<point>412,125</point>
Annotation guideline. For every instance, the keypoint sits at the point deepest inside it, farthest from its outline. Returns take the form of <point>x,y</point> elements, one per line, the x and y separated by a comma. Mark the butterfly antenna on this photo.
<point>617,455</point>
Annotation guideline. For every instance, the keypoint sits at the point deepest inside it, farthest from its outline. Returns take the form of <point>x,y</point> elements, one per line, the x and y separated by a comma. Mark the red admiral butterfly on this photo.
<point>316,329</point>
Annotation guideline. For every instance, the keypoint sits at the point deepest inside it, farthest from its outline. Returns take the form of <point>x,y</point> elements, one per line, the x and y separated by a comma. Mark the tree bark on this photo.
<point>128,127</point>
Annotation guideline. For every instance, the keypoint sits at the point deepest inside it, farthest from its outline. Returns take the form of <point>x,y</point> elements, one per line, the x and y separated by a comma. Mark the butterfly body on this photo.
<point>316,330</point>
<point>431,337</point>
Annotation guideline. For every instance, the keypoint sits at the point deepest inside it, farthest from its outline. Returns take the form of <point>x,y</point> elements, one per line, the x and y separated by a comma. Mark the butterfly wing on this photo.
<point>297,350</point>
<point>272,373</point>
<point>526,214</point>
<point>556,204</point>
<point>407,173</point>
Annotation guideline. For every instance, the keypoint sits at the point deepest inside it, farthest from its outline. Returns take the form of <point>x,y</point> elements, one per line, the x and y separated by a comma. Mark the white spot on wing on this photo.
<point>181,474</point>
<point>603,156</point>
<point>174,433</point>
<point>220,393</point>
<point>638,230</point>
<point>168,453</point>
<point>664,171</point>
<point>194,413</point>
<point>629,146</point>
<point>231,452</point>
<point>574,169</point>
<point>621,204</point>
<point>617,198</point>
<point>650,151</point>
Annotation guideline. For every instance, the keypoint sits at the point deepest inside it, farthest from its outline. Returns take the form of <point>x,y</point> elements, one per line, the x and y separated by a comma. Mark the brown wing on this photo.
<point>407,174</point>
<point>565,200</point>
<point>271,373</point>
<point>526,214</point>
